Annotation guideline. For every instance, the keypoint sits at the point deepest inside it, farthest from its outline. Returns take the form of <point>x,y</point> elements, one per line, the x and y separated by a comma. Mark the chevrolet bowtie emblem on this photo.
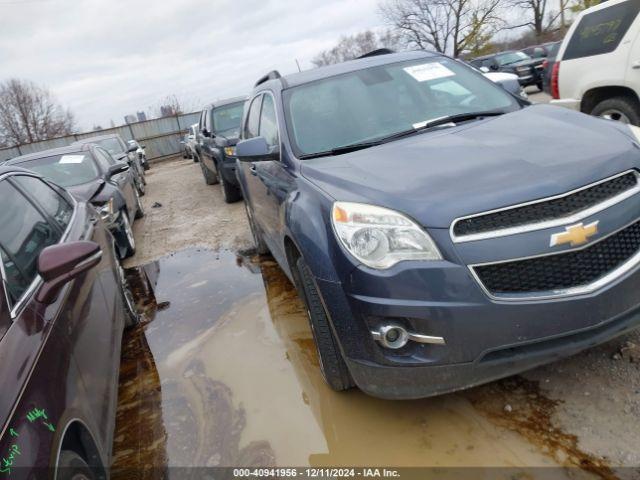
<point>577,234</point>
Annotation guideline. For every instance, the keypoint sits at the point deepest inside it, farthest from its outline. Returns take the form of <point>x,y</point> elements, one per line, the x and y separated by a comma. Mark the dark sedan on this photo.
<point>63,306</point>
<point>219,129</point>
<point>121,151</point>
<point>436,243</point>
<point>92,175</point>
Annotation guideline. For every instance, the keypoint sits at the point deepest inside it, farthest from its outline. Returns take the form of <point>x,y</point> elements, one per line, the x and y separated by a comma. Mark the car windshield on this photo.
<point>65,170</point>
<point>378,102</point>
<point>111,145</point>
<point>511,57</point>
<point>227,119</point>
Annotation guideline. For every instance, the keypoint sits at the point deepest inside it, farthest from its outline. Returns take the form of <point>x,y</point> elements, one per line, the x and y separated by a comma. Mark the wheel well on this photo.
<point>596,95</point>
<point>78,439</point>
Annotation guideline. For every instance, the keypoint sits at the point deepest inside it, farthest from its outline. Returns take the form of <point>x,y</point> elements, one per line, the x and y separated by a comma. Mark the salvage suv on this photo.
<point>436,243</point>
<point>219,128</point>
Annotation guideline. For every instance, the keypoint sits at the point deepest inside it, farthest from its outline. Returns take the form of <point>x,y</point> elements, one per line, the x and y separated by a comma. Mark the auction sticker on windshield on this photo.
<point>71,159</point>
<point>428,71</point>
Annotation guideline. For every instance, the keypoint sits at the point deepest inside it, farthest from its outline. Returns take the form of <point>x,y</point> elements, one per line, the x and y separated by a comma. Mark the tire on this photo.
<point>210,178</point>
<point>139,207</point>
<point>141,189</point>
<point>126,236</point>
<point>132,317</point>
<point>540,86</point>
<point>261,247</point>
<point>72,466</point>
<point>332,365</point>
<point>195,157</point>
<point>230,193</point>
<point>622,109</point>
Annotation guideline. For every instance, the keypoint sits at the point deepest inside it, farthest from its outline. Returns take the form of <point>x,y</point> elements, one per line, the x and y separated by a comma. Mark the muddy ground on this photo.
<point>223,371</point>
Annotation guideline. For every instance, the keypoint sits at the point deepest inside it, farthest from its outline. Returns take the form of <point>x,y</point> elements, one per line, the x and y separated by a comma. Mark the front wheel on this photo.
<point>332,364</point>
<point>72,466</point>
<point>126,239</point>
<point>139,207</point>
<point>230,192</point>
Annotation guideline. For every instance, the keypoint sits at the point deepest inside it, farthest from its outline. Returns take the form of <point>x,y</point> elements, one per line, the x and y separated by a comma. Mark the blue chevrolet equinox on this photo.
<point>441,232</point>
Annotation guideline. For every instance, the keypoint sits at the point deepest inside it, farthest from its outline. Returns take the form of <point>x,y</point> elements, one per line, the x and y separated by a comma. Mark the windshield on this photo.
<point>511,57</point>
<point>227,119</point>
<point>111,145</point>
<point>377,102</point>
<point>65,170</point>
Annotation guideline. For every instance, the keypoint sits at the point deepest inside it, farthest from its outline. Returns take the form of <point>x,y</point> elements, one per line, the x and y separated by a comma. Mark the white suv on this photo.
<point>597,69</point>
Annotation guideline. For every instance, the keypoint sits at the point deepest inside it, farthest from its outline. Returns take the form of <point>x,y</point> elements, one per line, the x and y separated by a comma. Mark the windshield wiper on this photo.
<point>417,127</point>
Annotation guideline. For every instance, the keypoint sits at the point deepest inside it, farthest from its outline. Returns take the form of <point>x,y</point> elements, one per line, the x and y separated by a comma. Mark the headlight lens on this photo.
<point>522,69</point>
<point>107,212</point>
<point>379,237</point>
<point>230,151</point>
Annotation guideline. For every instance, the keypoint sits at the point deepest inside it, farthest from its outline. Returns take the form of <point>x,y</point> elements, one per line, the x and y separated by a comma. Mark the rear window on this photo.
<point>601,31</point>
<point>112,145</point>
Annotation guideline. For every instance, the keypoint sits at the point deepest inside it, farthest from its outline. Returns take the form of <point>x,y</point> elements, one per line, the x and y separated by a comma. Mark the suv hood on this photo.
<point>437,176</point>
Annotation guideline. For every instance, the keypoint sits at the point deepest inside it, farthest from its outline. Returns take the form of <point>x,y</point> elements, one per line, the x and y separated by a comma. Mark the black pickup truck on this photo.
<point>529,70</point>
<point>218,132</point>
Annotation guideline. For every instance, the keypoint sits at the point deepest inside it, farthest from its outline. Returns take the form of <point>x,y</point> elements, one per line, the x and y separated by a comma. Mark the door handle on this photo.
<point>253,170</point>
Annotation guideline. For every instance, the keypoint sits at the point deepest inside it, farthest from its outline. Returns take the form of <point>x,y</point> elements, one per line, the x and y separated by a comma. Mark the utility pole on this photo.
<point>563,6</point>
<point>298,64</point>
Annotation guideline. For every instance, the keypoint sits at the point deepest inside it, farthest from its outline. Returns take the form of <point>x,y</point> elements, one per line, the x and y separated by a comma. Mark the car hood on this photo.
<point>437,176</point>
<point>87,191</point>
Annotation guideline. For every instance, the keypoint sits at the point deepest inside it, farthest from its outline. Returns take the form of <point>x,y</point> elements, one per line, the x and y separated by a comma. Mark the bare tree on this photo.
<point>352,46</point>
<point>541,18</point>
<point>174,105</point>
<point>447,26</point>
<point>29,113</point>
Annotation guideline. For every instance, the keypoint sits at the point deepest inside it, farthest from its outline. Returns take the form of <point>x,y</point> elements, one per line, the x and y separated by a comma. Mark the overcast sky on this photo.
<point>108,58</point>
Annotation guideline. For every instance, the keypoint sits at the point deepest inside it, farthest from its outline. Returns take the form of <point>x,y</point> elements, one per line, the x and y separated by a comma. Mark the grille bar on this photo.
<point>554,211</point>
<point>565,273</point>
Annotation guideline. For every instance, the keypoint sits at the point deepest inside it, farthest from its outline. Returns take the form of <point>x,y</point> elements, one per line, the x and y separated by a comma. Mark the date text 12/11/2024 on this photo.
<point>309,472</point>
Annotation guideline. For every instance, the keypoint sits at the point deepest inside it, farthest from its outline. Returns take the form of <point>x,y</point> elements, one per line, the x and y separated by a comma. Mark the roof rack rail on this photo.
<point>375,53</point>
<point>272,75</point>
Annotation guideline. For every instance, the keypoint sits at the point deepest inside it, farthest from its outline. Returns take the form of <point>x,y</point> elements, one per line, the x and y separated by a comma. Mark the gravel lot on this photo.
<point>581,411</point>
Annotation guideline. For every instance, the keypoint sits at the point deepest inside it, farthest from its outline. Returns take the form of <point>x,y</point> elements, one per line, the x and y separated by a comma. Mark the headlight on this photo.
<point>522,69</point>
<point>107,212</point>
<point>379,237</point>
<point>230,151</point>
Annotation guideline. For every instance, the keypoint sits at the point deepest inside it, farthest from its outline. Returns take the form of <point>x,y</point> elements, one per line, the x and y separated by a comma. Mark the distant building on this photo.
<point>167,111</point>
<point>130,119</point>
<point>142,116</point>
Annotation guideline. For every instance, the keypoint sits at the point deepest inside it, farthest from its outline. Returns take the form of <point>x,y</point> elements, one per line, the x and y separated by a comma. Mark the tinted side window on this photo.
<point>601,32</point>
<point>253,118</point>
<point>56,206</point>
<point>25,233</point>
<point>268,122</point>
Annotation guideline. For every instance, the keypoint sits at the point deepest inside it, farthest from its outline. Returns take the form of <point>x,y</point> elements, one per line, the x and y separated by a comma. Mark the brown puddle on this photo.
<point>226,374</point>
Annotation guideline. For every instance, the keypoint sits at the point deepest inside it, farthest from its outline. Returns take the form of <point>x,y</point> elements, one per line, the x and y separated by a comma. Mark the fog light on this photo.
<point>396,336</point>
<point>392,336</point>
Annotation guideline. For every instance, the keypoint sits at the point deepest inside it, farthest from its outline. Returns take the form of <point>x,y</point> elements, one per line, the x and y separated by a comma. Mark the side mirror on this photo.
<point>484,70</point>
<point>494,67</point>
<point>61,263</point>
<point>132,148</point>
<point>255,150</point>
<point>206,133</point>
<point>119,167</point>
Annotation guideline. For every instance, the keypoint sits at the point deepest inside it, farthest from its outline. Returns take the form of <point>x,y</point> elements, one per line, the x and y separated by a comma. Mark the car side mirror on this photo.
<point>494,67</point>
<point>61,263</point>
<point>132,148</point>
<point>255,149</point>
<point>206,133</point>
<point>119,167</point>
